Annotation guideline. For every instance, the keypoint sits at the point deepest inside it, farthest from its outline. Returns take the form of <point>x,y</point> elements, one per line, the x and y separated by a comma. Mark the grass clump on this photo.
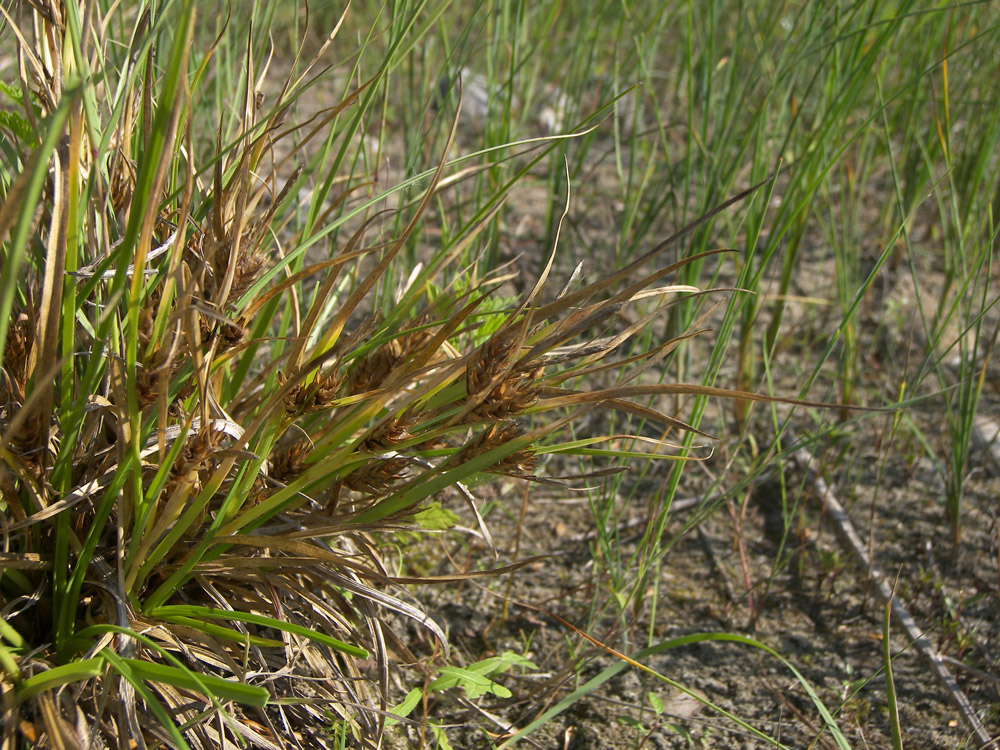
<point>260,327</point>
<point>217,405</point>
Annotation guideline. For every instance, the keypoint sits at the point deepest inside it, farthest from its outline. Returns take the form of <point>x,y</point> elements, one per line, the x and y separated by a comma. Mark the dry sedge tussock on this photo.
<point>204,435</point>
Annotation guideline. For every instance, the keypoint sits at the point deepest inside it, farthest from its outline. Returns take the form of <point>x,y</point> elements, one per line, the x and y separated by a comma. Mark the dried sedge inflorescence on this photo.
<point>225,334</point>
<point>149,382</point>
<point>246,271</point>
<point>379,476</point>
<point>196,456</point>
<point>319,395</point>
<point>520,463</point>
<point>14,375</point>
<point>374,367</point>
<point>229,336</point>
<point>287,461</point>
<point>391,433</point>
<point>208,269</point>
<point>165,358</point>
<point>216,251</point>
<point>406,429</point>
<point>121,178</point>
<point>502,388</point>
<point>147,386</point>
<point>160,371</point>
<point>248,268</point>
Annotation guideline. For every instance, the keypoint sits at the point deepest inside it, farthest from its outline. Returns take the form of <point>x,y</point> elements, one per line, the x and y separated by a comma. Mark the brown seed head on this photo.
<point>378,476</point>
<point>198,450</point>
<point>248,268</point>
<point>20,338</point>
<point>519,463</point>
<point>288,461</point>
<point>371,371</point>
<point>503,391</point>
<point>315,396</point>
<point>390,433</point>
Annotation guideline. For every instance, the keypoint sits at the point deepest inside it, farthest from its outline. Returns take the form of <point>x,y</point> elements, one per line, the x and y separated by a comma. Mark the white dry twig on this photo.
<point>849,537</point>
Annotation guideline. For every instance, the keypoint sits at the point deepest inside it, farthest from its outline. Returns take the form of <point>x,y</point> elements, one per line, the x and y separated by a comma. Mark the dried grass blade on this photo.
<point>574,298</point>
<point>73,498</point>
<point>19,207</point>
<point>680,389</point>
<point>391,602</point>
<point>587,317</point>
<point>648,359</point>
<point>47,343</point>
<point>254,306</point>
<point>543,277</point>
<point>22,415</point>
<point>321,51</point>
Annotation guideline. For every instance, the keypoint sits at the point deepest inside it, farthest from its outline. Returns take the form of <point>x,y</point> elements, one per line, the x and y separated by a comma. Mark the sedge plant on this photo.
<point>217,403</point>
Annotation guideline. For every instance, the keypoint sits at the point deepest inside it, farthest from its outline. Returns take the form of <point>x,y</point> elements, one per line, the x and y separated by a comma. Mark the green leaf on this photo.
<point>656,703</point>
<point>475,685</point>
<point>405,707</point>
<point>436,518</point>
<point>896,734</point>
<point>125,669</point>
<point>185,610</point>
<point>683,732</point>
<point>8,665</point>
<point>500,664</point>
<point>14,93</point>
<point>614,669</point>
<point>513,659</point>
<point>229,634</point>
<point>65,674</point>
<point>440,737</point>
<point>16,124</point>
<point>10,634</point>
<point>228,690</point>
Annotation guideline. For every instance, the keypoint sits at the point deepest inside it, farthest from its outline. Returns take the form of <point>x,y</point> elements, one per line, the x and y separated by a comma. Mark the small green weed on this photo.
<point>476,680</point>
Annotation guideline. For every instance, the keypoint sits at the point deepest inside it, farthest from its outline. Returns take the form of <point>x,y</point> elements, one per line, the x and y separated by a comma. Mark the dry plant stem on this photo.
<point>738,540</point>
<point>849,537</point>
<point>971,670</point>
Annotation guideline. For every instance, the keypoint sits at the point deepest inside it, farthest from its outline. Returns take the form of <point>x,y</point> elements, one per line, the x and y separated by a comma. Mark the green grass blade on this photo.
<point>186,610</point>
